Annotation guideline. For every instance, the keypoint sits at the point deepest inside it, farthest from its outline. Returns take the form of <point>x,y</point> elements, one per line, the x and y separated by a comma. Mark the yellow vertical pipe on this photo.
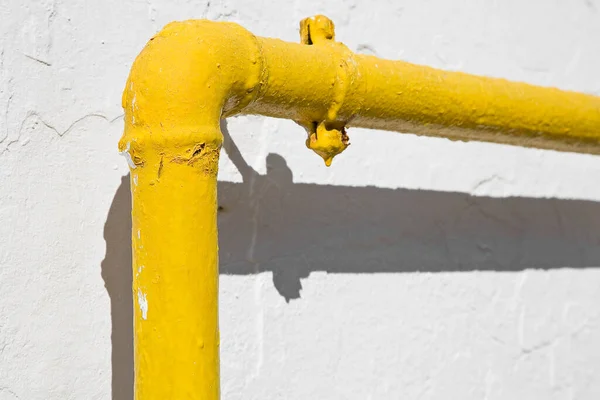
<point>175,286</point>
<point>173,102</point>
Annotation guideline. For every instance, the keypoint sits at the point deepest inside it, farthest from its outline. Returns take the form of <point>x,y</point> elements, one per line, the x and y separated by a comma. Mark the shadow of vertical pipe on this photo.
<point>117,274</point>
<point>295,229</point>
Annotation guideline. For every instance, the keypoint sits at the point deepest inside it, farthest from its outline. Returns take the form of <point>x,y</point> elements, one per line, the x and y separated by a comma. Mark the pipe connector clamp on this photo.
<point>327,138</point>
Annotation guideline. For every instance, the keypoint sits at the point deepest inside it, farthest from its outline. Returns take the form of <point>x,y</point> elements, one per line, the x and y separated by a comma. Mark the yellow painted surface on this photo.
<point>195,72</point>
<point>175,285</point>
<point>173,101</point>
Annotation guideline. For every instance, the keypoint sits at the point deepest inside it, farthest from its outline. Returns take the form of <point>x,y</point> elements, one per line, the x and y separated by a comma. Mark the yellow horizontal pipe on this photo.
<point>193,73</point>
<point>399,96</point>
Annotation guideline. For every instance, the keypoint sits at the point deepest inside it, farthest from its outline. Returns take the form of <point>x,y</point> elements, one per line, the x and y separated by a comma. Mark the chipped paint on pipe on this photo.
<point>193,73</point>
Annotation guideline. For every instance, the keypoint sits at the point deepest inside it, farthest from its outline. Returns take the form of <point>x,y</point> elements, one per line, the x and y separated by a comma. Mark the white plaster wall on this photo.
<point>426,269</point>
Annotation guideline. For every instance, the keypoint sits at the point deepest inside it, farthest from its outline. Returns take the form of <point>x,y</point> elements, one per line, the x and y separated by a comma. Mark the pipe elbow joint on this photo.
<point>187,77</point>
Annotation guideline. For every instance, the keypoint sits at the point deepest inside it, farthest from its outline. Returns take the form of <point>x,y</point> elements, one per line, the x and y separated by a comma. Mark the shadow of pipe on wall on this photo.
<point>117,275</point>
<point>268,223</point>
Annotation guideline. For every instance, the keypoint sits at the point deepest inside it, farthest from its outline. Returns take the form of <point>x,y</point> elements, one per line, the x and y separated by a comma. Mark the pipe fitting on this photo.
<point>187,77</point>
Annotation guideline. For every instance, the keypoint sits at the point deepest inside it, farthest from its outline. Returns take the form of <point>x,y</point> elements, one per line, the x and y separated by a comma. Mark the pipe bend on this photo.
<point>184,80</point>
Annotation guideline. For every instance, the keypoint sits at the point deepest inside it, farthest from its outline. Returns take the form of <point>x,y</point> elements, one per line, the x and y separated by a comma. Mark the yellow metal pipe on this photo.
<point>193,73</point>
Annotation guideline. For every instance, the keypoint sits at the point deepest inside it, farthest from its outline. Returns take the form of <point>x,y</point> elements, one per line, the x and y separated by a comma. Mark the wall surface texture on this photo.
<point>412,268</point>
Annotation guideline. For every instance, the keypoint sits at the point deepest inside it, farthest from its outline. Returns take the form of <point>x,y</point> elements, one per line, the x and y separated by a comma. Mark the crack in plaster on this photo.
<point>34,115</point>
<point>39,60</point>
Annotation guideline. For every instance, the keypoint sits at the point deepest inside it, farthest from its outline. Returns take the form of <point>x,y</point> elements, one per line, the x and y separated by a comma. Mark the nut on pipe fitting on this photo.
<point>327,140</point>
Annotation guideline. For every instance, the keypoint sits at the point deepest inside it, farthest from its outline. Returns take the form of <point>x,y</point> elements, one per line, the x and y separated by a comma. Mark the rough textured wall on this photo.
<point>413,268</point>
